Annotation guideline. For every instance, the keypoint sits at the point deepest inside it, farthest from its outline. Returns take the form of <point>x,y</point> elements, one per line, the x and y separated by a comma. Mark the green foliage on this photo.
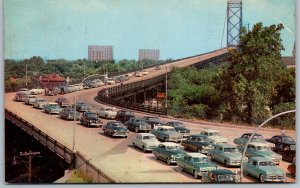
<point>79,177</point>
<point>287,120</point>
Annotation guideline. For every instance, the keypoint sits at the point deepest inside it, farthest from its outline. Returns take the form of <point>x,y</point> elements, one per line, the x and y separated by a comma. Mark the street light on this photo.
<point>251,137</point>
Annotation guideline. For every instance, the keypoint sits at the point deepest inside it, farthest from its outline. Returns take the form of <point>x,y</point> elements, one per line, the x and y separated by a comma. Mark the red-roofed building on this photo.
<point>50,81</point>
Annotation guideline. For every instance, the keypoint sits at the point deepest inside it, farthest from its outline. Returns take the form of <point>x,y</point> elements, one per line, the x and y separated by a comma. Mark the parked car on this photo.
<point>198,143</point>
<point>52,108</point>
<point>167,134</point>
<point>115,128</point>
<point>63,102</point>
<point>107,113</point>
<point>145,72</point>
<point>20,97</point>
<point>96,83</point>
<point>40,103</point>
<point>86,86</point>
<point>213,136</point>
<point>137,125</point>
<point>138,74</point>
<point>179,127</point>
<point>157,67</point>
<point>264,169</point>
<point>83,107</point>
<point>220,176</point>
<point>30,99</point>
<point>110,81</point>
<point>78,87</point>
<point>90,119</point>
<point>70,88</point>
<point>51,91</point>
<point>227,154</point>
<point>258,149</point>
<point>145,141</point>
<point>196,164</point>
<point>285,146</point>
<point>124,115</point>
<point>169,152</point>
<point>36,91</point>
<point>24,90</point>
<point>68,114</point>
<point>153,121</point>
<point>245,137</point>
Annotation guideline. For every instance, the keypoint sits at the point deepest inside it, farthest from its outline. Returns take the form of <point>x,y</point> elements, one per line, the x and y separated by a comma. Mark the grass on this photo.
<point>79,176</point>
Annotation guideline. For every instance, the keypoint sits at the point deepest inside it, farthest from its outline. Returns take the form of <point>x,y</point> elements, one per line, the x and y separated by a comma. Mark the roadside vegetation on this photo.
<point>253,85</point>
<point>78,176</point>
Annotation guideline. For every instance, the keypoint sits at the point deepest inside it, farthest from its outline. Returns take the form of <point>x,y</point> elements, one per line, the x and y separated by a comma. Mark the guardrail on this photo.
<point>73,158</point>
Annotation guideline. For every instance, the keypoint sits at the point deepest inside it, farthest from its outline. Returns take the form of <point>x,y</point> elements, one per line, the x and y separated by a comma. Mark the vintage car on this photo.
<point>96,83</point>
<point>115,129</point>
<point>167,134</point>
<point>196,164</point>
<point>30,99</point>
<point>20,96</point>
<point>107,113</point>
<point>153,121</point>
<point>68,114</point>
<point>90,119</point>
<point>179,127</point>
<point>138,74</point>
<point>227,154</point>
<point>52,108</point>
<point>63,102</point>
<point>258,149</point>
<point>145,141</point>
<point>169,152</point>
<point>285,146</point>
<point>264,169</point>
<point>83,107</point>
<point>51,91</point>
<point>213,136</point>
<point>145,72</point>
<point>157,67</point>
<point>36,91</point>
<point>40,103</point>
<point>256,138</point>
<point>220,176</point>
<point>110,81</point>
<point>124,115</point>
<point>198,143</point>
<point>137,125</point>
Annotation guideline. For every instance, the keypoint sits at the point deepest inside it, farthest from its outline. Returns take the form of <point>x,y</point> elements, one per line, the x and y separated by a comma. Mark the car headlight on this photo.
<point>114,131</point>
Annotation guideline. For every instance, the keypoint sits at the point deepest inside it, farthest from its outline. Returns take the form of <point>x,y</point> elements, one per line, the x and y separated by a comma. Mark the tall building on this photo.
<point>99,53</point>
<point>152,54</point>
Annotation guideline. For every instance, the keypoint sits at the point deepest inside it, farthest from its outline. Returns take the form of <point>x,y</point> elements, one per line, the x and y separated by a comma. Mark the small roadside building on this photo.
<point>50,81</point>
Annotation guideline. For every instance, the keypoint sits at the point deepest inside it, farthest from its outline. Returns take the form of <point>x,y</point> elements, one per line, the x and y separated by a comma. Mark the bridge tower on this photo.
<point>234,22</point>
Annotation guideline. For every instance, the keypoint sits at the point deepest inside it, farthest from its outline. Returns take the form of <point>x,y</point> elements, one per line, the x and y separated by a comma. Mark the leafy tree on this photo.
<point>248,83</point>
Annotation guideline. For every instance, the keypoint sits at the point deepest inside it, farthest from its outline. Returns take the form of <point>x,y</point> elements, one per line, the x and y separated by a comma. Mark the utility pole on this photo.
<point>75,101</point>
<point>30,155</point>
<point>166,95</point>
<point>26,75</point>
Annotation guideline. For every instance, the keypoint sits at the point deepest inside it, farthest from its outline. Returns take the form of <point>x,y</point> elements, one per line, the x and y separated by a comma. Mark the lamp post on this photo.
<point>251,137</point>
<point>26,75</point>
<point>75,101</point>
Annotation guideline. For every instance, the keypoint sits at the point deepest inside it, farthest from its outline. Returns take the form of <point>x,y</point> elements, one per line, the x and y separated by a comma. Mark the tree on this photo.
<point>248,83</point>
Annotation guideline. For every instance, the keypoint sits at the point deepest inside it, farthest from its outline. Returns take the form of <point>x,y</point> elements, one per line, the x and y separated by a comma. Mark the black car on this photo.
<point>198,143</point>
<point>124,115</point>
<point>115,128</point>
<point>137,125</point>
<point>179,127</point>
<point>285,146</point>
<point>153,121</point>
<point>90,119</point>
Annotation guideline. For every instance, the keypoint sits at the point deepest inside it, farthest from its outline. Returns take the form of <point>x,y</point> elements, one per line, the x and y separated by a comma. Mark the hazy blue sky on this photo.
<point>179,28</point>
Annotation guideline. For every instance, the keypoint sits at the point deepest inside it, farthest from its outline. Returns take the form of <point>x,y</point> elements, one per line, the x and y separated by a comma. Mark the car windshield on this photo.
<point>226,178</point>
<point>92,115</point>
<point>128,113</point>
<point>230,149</point>
<point>201,159</point>
<point>179,125</point>
<point>169,130</point>
<point>267,163</point>
<point>200,139</point>
<point>258,137</point>
<point>116,124</point>
<point>262,148</point>
<point>210,133</point>
<point>172,148</point>
<point>149,137</point>
<point>287,139</point>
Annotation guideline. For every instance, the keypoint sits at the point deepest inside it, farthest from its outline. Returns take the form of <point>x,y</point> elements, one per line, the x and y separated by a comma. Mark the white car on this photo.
<point>138,74</point>
<point>107,113</point>
<point>213,136</point>
<point>110,81</point>
<point>36,91</point>
<point>145,72</point>
<point>30,99</point>
<point>40,103</point>
<point>145,141</point>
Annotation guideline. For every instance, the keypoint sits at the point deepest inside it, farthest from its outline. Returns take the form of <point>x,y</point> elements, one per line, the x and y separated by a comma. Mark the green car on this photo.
<point>169,152</point>
<point>180,127</point>
<point>52,108</point>
<point>198,143</point>
<point>256,138</point>
<point>259,149</point>
<point>167,134</point>
<point>220,176</point>
<point>264,169</point>
<point>196,164</point>
<point>227,154</point>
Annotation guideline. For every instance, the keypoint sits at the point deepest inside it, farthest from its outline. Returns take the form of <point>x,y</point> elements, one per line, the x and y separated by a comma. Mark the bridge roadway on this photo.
<point>116,157</point>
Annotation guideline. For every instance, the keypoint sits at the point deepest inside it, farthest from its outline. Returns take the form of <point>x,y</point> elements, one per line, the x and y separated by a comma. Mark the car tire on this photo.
<point>136,129</point>
<point>196,176</point>
<point>168,161</point>
<point>165,139</point>
<point>199,150</point>
<point>180,168</point>
<point>262,178</point>
<point>245,173</point>
<point>106,117</point>
<point>88,124</point>
<point>226,163</point>
<point>157,156</point>
<point>144,149</point>
<point>81,122</point>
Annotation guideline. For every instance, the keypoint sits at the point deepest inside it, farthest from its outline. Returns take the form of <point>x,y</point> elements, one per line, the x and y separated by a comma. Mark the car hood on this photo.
<point>178,153</point>
<point>152,142</point>
<point>217,139</point>
<point>233,155</point>
<point>93,118</point>
<point>120,128</point>
<point>205,166</point>
<point>270,154</point>
<point>272,170</point>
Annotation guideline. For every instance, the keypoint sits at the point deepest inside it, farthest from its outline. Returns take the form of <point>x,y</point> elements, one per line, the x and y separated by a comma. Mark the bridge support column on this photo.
<point>74,159</point>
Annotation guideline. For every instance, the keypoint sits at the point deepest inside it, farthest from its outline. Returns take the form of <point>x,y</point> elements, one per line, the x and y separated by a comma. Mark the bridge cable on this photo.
<point>224,28</point>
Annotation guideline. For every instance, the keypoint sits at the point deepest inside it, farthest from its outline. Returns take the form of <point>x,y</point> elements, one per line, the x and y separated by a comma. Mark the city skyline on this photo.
<point>64,29</point>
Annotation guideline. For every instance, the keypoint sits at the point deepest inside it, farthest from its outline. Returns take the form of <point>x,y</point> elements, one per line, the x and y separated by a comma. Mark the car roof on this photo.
<point>225,145</point>
<point>260,159</point>
<point>166,127</point>
<point>170,144</point>
<point>210,130</point>
<point>198,155</point>
<point>146,134</point>
<point>258,144</point>
<point>222,171</point>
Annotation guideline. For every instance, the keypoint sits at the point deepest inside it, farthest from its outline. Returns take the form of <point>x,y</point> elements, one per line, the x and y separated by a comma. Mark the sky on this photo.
<point>63,29</point>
